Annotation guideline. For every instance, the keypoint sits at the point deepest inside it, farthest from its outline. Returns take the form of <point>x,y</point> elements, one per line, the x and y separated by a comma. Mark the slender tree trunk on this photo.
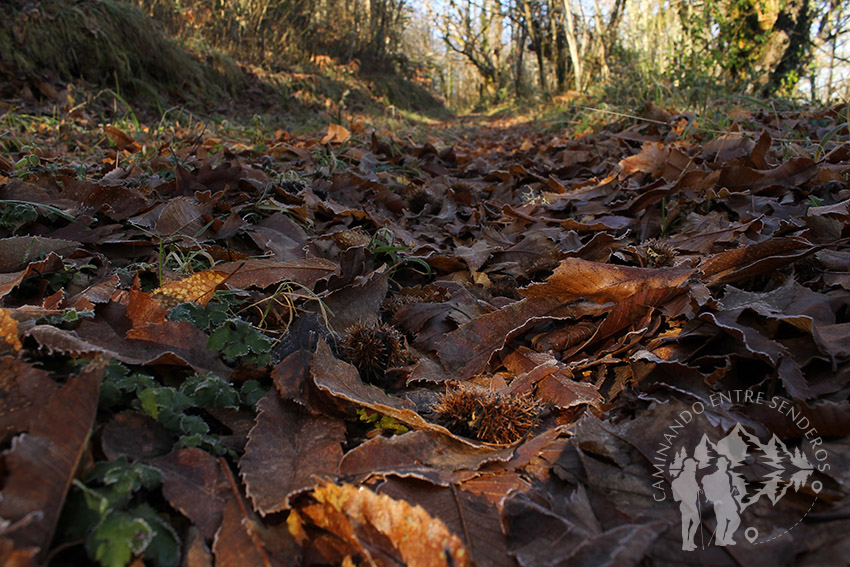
<point>536,42</point>
<point>572,43</point>
<point>520,46</point>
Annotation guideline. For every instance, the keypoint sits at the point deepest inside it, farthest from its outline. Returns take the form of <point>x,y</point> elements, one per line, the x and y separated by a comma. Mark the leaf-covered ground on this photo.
<point>468,346</point>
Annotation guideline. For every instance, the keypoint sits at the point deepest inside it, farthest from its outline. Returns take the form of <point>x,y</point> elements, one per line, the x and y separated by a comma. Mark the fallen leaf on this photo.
<point>337,134</point>
<point>576,278</point>
<point>59,436</point>
<point>288,450</point>
<point>467,351</point>
<point>377,525</point>
<point>195,485</point>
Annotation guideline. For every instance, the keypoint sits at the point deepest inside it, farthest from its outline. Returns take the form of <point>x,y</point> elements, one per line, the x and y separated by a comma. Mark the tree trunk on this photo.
<point>536,43</point>
<point>784,51</point>
<point>572,43</point>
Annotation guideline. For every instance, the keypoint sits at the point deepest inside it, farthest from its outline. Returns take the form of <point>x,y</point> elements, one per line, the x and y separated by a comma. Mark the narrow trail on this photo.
<point>494,328</point>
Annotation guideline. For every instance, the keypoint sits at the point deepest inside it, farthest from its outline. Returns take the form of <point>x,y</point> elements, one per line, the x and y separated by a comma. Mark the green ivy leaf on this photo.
<point>236,339</point>
<point>193,425</point>
<point>122,479</point>
<point>251,393</point>
<point>83,508</point>
<point>155,400</point>
<point>210,391</point>
<point>164,548</point>
<point>191,312</point>
<point>117,538</point>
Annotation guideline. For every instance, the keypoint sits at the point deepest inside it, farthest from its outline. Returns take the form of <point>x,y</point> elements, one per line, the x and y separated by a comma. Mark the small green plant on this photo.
<point>204,318</point>
<point>13,216</point>
<point>107,512</point>
<point>815,201</point>
<point>667,219</point>
<point>384,250</point>
<point>327,161</point>
<point>28,164</point>
<point>178,406</point>
<point>237,341</point>
<point>257,134</point>
<point>240,343</point>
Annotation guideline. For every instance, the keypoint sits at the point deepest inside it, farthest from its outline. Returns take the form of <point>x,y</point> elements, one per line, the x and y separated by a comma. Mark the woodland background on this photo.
<point>472,54</point>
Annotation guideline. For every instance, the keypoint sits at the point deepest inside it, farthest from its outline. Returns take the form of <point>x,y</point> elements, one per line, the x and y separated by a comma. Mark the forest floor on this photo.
<point>553,339</point>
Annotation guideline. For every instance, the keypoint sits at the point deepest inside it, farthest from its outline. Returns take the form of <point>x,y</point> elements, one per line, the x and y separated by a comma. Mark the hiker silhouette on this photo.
<point>686,491</point>
<point>720,490</point>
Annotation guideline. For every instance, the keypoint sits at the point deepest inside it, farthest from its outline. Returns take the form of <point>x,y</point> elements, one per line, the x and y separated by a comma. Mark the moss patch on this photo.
<point>111,44</point>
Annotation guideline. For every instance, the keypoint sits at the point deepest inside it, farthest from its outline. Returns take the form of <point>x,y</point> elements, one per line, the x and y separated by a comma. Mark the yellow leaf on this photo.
<point>337,134</point>
<point>353,513</point>
<point>197,287</point>
<point>9,329</point>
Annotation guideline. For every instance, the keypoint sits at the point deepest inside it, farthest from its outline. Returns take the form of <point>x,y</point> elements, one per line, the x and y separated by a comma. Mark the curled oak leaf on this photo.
<point>233,545</point>
<point>58,437</point>
<point>358,302</point>
<point>95,294</point>
<point>743,263</point>
<point>243,541</point>
<point>342,381</point>
<point>772,352</point>
<point>170,343</point>
<point>178,215</point>
<point>602,283</point>
<point>793,173</point>
<point>51,264</point>
<point>291,376</point>
<point>467,350</point>
<point>607,222</point>
<point>121,139</point>
<point>651,159</point>
<point>287,450</point>
<point>555,385</point>
<point>385,531</point>
<point>635,308</point>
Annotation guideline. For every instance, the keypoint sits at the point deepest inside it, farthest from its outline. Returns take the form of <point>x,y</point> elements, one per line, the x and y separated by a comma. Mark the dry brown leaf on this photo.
<point>467,351</point>
<point>288,450</point>
<point>58,436</point>
<point>576,278</point>
<point>196,486</point>
<point>337,134</point>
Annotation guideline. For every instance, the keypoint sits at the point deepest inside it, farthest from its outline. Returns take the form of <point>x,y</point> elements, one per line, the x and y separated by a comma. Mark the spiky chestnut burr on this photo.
<point>422,199</point>
<point>372,349</point>
<point>659,253</point>
<point>485,415</point>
